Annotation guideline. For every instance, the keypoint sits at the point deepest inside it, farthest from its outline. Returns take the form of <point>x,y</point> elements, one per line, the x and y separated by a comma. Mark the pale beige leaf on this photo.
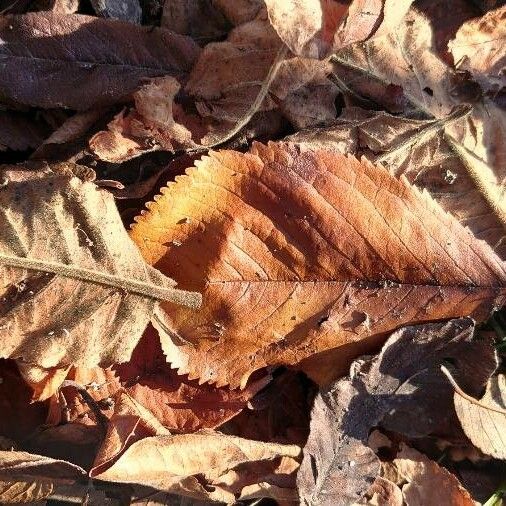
<point>480,47</point>
<point>300,253</point>
<point>427,482</point>
<point>316,28</point>
<point>408,58</point>
<point>484,420</point>
<point>26,478</point>
<point>74,288</point>
<point>205,465</point>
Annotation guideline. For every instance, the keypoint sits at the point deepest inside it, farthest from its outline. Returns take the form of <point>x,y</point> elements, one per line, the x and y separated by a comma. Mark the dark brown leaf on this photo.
<point>76,61</point>
<point>401,389</point>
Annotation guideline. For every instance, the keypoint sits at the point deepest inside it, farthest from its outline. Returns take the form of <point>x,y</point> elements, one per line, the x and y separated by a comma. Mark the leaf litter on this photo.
<point>308,305</point>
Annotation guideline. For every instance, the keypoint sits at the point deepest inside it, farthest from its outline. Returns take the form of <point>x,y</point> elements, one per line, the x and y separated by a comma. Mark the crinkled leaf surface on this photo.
<point>298,253</point>
<point>74,288</point>
<point>408,59</point>
<point>316,28</point>
<point>419,150</point>
<point>206,465</point>
<point>229,75</point>
<point>401,389</point>
<point>179,404</point>
<point>423,481</point>
<point>28,478</point>
<point>479,48</point>
<point>76,61</point>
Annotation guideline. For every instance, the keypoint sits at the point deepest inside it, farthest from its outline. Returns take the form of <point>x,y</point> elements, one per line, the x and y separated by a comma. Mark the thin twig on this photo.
<point>280,57</point>
<point>183,297</point>
<point>476,168</point>
<point>101,419</point>
<point>468,398</point>
<point>432,127</point>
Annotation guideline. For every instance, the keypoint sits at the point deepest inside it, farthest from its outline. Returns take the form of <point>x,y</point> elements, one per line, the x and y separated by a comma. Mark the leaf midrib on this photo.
<point>94,63</point>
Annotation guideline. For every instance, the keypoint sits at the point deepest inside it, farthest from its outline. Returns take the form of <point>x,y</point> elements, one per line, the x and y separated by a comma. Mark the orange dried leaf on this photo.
<point>300,253</point>
<point>179,404</point>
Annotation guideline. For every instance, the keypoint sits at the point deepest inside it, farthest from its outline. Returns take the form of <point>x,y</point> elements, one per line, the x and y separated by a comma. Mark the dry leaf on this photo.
<point>72,129</point>
<point>484,420</point>
<point>76,61</point>
<point>427,482</point>
<point>382,493</point>
<point>150,127</point>
<point>299,253</point>
<point>179,404</point>
<point>72,442</point>
<point>400,389</point>
<point>419,150</point>
<point>316,28</point>
<point>130,422</point>
<point>26,478</point>
<point>74,287</point>
<point>408,58</point>
<point>205,465</point>
<point>479,48</point>
<point>228,75</point>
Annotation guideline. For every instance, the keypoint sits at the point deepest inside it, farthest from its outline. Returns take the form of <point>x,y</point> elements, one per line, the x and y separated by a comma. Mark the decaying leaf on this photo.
<point>153,125</point>
<point>77,61</point>
<point>479,48</point>
<point>74,287</point>
<point>71,442</point>
<point>317,28</point>
<point>407,62</point>
<point>222,468</point>
<point>179,404</point>
<point>299,253</point>
<point>129,423</point>
<point>401,389</point>
<point>70,131</point>
<point>419,150</point>
<point>382,493</point>
<point>484,420</point>
<point>26,478</point>
<point>228,75</point>
<point>423,481</point>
